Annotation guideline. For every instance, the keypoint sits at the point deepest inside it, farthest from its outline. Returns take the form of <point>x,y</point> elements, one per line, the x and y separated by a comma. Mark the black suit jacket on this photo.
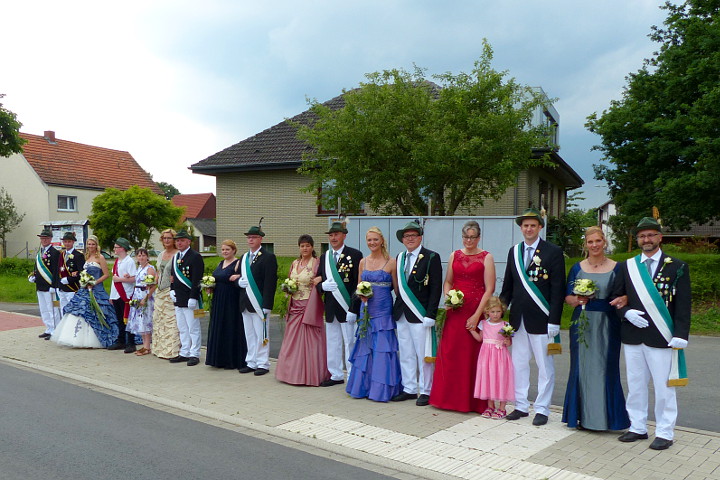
<point>429,295</point>
<point>70,265</point>
<point>264,271</point>
<point>674,273</point>
<point>552,264</point>
<point>193,266</point>
<point>349,275</point>
<point>51,261</point>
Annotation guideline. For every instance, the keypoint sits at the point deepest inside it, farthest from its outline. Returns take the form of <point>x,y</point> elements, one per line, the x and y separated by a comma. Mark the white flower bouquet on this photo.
<point>454,299</point>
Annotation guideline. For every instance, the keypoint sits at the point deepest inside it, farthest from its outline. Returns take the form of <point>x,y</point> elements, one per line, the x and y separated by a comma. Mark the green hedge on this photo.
<point>17,267</point>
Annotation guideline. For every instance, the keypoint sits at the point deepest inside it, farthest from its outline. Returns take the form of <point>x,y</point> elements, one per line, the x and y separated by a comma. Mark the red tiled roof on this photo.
<point>197,205</point>
<point>84,166</point>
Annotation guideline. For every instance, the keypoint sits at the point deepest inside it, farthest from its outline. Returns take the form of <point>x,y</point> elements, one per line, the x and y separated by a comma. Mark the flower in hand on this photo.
<point>454,299</point>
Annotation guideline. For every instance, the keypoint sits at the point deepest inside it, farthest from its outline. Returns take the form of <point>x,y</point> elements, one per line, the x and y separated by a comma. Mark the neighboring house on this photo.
<point>604,212</point>
<point>200,211</point>
<point>258,177</point>
<point>54,182</point>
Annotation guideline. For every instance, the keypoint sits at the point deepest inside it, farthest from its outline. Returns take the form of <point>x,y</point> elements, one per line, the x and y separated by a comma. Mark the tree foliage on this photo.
<point>661,141</point>
<point>9,216</point>
<point>567,230</point>
<point>10,140</point>
<point>133,214</point>
<point>402,142</point>
<point>169,189</point>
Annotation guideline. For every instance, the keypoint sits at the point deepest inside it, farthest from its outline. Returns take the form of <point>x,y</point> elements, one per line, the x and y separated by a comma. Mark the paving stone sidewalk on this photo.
<point>418,441</point>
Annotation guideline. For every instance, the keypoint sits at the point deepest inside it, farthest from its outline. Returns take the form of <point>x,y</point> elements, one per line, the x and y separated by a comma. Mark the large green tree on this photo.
<point>405,144</point>
<point>9,217</point>
<point>133,213</point>
<point>661,141</point>
<point>169,189</point>
<point>10,140</point>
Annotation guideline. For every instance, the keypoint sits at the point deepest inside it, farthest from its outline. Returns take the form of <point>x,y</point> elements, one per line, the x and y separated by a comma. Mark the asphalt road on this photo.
<point>53,429</point>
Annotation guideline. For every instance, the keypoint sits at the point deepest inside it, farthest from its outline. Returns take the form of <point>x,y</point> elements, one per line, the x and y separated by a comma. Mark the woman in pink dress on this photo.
<point>495,379</point>
<point>303,355</point>
<point>472,271</point>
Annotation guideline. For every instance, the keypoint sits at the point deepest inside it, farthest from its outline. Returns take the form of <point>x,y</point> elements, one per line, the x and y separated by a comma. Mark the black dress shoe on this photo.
<point>632,436</point>
<point>660,443</point>
<point>422,400</point>
<point>246,369</point>
<point>261,371</point>
<point>48,337</point>
<point>331,382</point>
<point>117,346</point>
<point>540,419</point>
<point>179,359</point>
<point>516,415</point>
<point>130,349</point>
<point>44,335</point>
<point>192,361</point>
<point>402,396</point>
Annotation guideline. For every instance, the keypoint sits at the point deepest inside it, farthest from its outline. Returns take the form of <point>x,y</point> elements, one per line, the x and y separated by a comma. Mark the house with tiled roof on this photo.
<point>258,177</point>
<point>200,211</point>
<point>54,181</point>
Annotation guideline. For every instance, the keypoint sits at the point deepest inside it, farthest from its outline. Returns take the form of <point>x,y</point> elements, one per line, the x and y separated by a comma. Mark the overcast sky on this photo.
<point>175,81</point>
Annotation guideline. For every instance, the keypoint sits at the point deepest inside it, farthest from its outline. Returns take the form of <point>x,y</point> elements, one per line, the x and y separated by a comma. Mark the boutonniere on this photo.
<point>70,256</point>
<point>536,260</point>
<point>420,257</point>
<point>667,260</point>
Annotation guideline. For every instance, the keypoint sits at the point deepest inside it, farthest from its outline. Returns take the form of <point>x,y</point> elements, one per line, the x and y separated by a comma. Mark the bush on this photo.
<point>17,267</point>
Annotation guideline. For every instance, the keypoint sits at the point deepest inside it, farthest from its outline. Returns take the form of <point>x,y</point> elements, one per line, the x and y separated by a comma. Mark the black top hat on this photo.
<point>183,234</point>
<point>530,213</point>
<point>46,232</point>
<point>69,236</point>
<point>648,223</point>
<point>409,227</point>
<point>337,227</point>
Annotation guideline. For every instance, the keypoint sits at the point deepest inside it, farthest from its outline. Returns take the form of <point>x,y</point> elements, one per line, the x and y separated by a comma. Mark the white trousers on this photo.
<point>65,298</point>
<point>337,336</point>
<point>525,346</point>
<point>190,333</point>
<point>50,315</point>
<point>258,355</point>
<point>417,374</point>
<point>641,364</point>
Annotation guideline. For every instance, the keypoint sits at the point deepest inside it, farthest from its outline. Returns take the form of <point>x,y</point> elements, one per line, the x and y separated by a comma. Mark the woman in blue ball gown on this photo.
<point>375,372</point>
<point>80,326</point>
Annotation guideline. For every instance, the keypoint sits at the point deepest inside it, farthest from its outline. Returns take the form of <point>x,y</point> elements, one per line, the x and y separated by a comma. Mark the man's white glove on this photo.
<point>31,279</point>
<point>553,330</point>
<point>677,342</point>
<point>635,317</point>
<point>64,281</point>
<point>350,317</point>
<point>243,283</point>
<point>172,296</point>
<point>266,312</point>
<point>192,304</point>
<point>428,322</point>
<point>329,285</point>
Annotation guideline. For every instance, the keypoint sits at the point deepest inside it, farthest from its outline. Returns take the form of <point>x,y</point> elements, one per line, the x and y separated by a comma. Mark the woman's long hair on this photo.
<point>383,245</point>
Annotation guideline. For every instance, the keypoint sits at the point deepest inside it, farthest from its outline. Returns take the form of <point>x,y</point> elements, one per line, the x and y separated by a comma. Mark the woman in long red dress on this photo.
<point>472,271</point>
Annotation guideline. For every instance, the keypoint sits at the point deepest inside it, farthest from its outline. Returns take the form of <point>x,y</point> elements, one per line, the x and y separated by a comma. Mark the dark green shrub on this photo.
<point>18,267</point>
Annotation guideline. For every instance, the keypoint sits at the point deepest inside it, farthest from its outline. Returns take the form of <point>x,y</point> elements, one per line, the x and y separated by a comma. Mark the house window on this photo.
<point>67,203</point>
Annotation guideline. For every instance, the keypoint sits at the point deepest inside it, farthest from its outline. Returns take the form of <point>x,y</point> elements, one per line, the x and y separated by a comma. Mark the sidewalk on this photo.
<point>421,442</point>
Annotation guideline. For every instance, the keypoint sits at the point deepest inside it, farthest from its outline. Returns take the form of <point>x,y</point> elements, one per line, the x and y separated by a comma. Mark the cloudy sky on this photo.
<point>175,81</point>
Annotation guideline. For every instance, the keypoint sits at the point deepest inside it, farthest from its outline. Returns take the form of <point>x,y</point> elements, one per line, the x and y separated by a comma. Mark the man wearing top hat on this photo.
<point>338,272</point>
<point>70,264</point>
<point>188,270</point>
<point>121,290</point>
<point>419,276</point>
<point>654,331</point>
<point>258,281</point>
<point>44,277</point>
<point>534,288</point>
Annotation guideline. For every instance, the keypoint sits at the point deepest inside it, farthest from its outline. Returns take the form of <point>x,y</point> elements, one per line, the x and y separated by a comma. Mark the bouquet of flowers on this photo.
<point>86,280</point>
<point>583,287</point>
<point>364,289</point>
<point>454,299</point>
<point>289,286</point>
<point>208,281</point>
<point>150,280</point>
<point>507,331</point>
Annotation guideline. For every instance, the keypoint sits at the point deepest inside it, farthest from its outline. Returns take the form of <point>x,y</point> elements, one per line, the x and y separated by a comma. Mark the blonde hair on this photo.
<point>383,245</point>
<point>230,244</point>
<point>591,231</point>
<point>495,302</point>
<point>97,245</point>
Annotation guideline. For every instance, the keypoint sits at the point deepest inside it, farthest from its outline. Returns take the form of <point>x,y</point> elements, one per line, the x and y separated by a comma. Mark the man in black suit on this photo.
<point>338,272</point>
<point>534,287</point>
<point>654,330</point>
<point>258,282</point>
<point>419,276</point>
<point>44,277</point>
<point>70,264</point>
<point>188,269</point>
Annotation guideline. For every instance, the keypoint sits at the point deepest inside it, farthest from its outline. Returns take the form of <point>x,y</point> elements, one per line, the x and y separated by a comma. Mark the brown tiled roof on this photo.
<point>84,166</point>
<point>275,147</point>
<point>197,205</point>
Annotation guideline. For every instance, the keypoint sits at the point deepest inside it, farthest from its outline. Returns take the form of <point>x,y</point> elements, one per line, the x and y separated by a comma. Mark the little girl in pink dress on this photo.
<point>495,380</point>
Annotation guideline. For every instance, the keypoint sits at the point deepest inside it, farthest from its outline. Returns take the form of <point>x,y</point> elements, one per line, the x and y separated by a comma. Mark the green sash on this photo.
<point>407,295</point>
<point>178,272</point>
<point>253,292</point>
<point>342,296</point>
<point>43,269</point>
